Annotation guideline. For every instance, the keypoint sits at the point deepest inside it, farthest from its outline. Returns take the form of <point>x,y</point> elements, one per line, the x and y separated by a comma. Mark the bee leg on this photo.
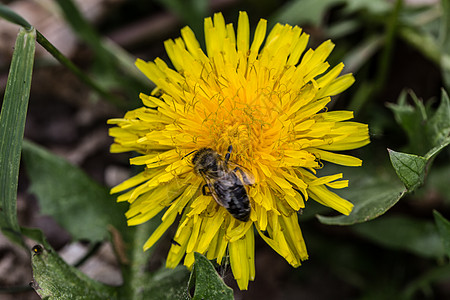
<point>189,154</point>
<point>227,156</point>
<point>175,242</point>
<point>204,191</point>
<point>244,176</point>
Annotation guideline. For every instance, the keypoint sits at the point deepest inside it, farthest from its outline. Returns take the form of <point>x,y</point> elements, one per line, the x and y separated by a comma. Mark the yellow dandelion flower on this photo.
<point>243,122</point>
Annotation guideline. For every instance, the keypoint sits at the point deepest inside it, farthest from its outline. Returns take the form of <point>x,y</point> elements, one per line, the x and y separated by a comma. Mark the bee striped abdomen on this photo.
<point>234,197</point>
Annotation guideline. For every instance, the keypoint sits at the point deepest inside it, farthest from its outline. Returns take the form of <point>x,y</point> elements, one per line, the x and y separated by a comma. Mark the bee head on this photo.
<point>204,160</point>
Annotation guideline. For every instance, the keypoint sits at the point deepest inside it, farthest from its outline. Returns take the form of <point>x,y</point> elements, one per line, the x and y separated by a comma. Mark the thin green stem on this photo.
<point>80,74</point>
<point>11,16</point>
<point>134,273</point>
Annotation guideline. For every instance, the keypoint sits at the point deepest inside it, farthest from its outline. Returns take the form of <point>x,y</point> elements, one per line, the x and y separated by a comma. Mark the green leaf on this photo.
<point>167,284</point>
<point>76,202</point>
<point>438,126</point>
<point>372,196</point>
<point>55,279</point>
<point>427,132</point>
<point>443,226</point>
<point>433,152</point>
<point>12,124</point>
<point>413,120</point>
<point>206,281</point>
<point>416,236</point>
<point>371,202</point>
<point>410,168</point>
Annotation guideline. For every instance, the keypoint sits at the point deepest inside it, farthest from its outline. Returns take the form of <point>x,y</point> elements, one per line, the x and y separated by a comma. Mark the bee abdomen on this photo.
<point>241,210</point>
<point>235,200</point>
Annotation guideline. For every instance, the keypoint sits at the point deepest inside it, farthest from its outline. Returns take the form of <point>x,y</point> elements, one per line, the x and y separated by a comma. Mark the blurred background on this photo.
<point>396,49</point>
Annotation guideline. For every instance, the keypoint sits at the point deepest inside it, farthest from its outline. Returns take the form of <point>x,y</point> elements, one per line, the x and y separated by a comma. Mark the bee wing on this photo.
<point>213,191</point>
<point>243,173</point>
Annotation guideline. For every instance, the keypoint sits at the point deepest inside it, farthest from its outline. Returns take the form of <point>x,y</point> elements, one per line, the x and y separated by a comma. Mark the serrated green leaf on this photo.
<point>80,205</point>
<point>12,125</point>
<point>443,226</point>
<point>413,121</point>
<point>425,129</point>
<point>55,279</point>
<point>410,168</point>
<point>416,236</point>
<point>439,124</point>
<point>430,132</point>
<point>206,281</point>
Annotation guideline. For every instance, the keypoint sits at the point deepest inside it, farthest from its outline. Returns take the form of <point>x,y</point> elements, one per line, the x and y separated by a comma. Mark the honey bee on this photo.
<point>225,181</point>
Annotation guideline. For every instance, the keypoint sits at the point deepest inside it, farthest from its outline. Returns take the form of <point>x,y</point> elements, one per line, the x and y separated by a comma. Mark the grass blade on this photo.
<point>12,125</point>
<point>12,17</point>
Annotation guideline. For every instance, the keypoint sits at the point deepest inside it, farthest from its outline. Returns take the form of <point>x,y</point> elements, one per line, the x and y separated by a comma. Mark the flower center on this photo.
<point>245,126</point>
